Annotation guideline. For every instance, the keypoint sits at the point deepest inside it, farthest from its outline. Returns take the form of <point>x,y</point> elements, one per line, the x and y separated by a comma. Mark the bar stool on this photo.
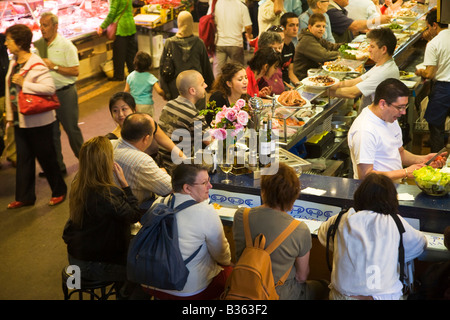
<point>89,287</point>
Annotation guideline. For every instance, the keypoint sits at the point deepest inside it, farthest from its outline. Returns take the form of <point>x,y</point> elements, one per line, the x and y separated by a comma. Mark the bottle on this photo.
<point>264,145</point>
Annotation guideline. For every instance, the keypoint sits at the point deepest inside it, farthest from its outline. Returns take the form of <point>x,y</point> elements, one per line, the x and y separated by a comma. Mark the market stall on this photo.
<point>79,20</point>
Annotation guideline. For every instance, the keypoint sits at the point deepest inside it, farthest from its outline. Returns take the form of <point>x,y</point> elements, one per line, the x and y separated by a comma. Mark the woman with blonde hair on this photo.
<point>98,231</point>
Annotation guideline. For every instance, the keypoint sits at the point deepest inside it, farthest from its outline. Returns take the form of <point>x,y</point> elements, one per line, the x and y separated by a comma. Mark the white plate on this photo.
<point>306,119</point>
<point>338,72</point>
<point>307,104</point>
<point>407,76</point>
<point>307,82</point>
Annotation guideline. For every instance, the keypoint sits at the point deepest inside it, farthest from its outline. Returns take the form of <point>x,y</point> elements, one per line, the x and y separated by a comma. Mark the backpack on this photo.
<point>252,278</point>
<point>154,256</point>
<point>207,30</point>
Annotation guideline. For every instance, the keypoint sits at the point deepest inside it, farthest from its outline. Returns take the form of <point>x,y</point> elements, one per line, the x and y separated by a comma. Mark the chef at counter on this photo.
<point>375,137</point>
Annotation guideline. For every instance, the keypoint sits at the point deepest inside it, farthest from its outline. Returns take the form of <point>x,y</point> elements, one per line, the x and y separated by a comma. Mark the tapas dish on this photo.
<point>292,98</point>
<point>320,82</point>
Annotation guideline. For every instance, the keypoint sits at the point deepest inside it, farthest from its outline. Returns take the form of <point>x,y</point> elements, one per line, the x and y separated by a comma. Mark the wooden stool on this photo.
<point>89,287</point>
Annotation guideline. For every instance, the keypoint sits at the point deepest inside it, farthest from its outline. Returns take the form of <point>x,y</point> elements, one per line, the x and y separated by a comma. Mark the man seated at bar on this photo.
<point>278,193</point>
<point>181,120</point>
<point>381,48</point>
<point>375,137</point>
<point>146,179</point>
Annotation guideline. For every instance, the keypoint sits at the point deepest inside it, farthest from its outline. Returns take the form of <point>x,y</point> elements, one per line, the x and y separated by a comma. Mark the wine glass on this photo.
<point>226,168</point>
<point>227,163</point>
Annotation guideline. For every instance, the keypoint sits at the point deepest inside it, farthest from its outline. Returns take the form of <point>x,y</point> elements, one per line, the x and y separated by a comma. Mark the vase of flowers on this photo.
<point>227,127</point>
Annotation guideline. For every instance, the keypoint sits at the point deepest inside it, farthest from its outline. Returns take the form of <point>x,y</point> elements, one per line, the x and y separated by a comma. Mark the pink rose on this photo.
<point>240,103</point>
<point>242,117</point>
<point>219,134</point>
<point>219,116</point>
<point>231,114</point>
<point>237,128</point>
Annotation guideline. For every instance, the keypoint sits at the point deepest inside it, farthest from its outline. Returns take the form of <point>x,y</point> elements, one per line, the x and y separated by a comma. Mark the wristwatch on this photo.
<point>56,68</point>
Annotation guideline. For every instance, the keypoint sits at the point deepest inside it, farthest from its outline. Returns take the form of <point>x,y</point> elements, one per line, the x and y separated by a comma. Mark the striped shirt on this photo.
<point>181,121</point>
<point>141,172</point>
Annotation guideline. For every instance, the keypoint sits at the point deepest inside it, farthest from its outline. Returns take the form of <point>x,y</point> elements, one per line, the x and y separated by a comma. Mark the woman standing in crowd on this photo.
<point>198,226</point>
<point>264,63</point>
<point>122,104</point>
<point>188,53</point>
<point>141,82</point>
<point>278,193</point>
<point>229,86</point>
<point>368,237</point>
<point>125,45</point>
<point>98,231</point>
<point>32,133</point>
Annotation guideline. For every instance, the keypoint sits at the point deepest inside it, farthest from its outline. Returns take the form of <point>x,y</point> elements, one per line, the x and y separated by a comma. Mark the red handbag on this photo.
<point>35,103</point>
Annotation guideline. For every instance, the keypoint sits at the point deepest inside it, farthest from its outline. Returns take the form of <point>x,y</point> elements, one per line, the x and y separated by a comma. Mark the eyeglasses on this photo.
<point>399,108</point>
<point>205,183</point>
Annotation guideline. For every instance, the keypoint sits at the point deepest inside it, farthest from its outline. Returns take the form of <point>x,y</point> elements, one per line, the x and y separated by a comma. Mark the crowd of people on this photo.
<point>123,173</point>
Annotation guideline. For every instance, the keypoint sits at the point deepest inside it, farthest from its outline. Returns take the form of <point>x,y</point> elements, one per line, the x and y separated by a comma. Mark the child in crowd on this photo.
<point>312,50</point>
<point>141,82</point>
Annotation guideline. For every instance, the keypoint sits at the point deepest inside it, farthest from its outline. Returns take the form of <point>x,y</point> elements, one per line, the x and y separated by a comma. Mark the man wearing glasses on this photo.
<point>375,137</point>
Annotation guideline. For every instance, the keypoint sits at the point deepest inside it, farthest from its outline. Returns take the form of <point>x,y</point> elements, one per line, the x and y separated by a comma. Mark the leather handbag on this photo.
<point>112,28</point>
<point>30,104</point>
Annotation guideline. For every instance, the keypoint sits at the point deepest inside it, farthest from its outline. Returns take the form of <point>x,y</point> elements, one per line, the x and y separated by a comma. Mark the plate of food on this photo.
<point>292,98</point>
<point>337,68</point>
<point>320,82</point>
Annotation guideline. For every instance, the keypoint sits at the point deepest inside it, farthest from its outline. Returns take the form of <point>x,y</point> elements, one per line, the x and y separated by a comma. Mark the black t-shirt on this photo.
<point>287,56</point>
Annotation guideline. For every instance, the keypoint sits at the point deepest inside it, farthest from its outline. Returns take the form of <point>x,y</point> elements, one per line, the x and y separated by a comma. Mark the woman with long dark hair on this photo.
<point>366,244</point>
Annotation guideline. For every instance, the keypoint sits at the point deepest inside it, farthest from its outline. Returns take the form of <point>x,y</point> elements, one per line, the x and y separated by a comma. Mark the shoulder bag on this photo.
<point>35,103</point>
<point>112,28</point>
<point>167,68</point>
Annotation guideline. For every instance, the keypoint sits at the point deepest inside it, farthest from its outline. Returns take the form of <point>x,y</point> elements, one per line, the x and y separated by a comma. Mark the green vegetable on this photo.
<point>431,178</point>
<point>395,25</point>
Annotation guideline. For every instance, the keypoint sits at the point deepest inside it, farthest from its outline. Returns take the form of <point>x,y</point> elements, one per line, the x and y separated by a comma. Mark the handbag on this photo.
<point>36,103</point>
<point>167,66</point>
<point>112,28</point>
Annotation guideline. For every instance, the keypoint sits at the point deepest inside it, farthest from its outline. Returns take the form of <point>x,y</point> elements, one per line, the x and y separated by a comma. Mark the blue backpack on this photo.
<point>154,256</point>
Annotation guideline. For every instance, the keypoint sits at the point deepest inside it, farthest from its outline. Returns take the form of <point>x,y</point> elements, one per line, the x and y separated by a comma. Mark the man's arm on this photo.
<point>428,73</point>
<point>346,89</point>
<point>65,71</point>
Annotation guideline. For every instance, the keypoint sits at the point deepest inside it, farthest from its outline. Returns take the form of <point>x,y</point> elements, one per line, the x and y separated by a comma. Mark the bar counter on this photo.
<point>432,213</point>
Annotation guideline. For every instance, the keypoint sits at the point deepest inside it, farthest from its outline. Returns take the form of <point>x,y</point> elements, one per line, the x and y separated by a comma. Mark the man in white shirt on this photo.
<point>61,57</point>
<point>269,14</point>
<point>144,176</point>
<point>381,48</point>
<point>437,63</point>
<point>375,137</point>
<point>232,19</point>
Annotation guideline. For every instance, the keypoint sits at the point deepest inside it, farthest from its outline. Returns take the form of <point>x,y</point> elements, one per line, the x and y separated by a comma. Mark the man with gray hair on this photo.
<point>181,113</point>
<point>61,57</point>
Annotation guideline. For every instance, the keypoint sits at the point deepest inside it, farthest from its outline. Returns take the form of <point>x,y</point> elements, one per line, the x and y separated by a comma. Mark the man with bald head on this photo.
<point>180,119</point>
<point>145,178</point>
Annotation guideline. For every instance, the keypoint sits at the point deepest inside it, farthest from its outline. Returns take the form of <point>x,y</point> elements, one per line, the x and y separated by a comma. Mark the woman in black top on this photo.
<point>98,231</point>
<point>228,87</point>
